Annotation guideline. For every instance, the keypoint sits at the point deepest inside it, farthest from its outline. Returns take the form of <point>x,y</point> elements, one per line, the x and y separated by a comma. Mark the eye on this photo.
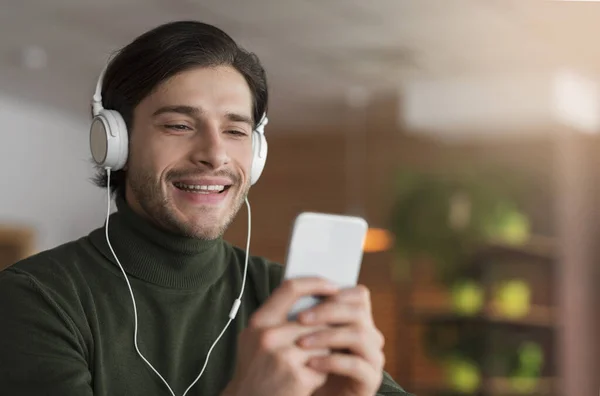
<point>178,127</point>
<point>237,133</point>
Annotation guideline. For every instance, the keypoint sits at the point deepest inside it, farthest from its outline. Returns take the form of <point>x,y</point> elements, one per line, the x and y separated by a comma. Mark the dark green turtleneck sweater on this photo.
<point>66,318</point>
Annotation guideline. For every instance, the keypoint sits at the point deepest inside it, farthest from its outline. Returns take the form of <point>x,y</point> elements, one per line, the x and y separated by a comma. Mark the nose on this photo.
<point>209,149</point>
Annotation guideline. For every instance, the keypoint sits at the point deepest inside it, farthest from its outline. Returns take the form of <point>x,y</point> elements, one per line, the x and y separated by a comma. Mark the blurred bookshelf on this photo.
<point>495,335</point>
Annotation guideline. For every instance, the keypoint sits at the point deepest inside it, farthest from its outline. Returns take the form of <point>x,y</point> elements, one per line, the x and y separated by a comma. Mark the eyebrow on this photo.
<point>196,112</point>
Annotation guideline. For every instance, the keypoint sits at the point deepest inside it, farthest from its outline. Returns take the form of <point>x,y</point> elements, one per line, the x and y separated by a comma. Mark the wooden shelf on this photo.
<point>503,386</point>
<point>490,387</point>
<point>538,316</point>
<point>539,247</point>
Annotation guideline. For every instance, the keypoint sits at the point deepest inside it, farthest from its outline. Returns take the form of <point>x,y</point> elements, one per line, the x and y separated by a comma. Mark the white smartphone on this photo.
<point>327,246</point>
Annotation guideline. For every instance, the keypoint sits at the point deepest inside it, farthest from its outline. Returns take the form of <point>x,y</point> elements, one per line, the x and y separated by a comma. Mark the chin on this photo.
<point>208,227</point>
<point>202,220</point>
<point>203,233</point>
<point>196,223</point>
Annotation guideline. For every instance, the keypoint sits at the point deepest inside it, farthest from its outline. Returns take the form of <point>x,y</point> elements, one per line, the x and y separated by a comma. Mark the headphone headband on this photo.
<point>97,105</point>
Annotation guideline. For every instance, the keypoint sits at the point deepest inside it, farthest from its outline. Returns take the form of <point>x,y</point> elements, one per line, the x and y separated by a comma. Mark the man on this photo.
<point>189,99</point>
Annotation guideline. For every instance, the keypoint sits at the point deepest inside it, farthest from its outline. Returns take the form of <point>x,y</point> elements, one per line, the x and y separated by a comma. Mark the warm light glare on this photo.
<point>378,240</point>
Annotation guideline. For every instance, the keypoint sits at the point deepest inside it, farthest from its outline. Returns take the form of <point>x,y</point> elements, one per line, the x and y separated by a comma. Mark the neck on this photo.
<point>158,256</point>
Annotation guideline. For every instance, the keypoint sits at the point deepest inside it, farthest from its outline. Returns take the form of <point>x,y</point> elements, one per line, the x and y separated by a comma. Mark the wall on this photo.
<point>45,182</point>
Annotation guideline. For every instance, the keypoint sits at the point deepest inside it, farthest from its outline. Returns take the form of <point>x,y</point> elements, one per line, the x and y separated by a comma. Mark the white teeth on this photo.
<point>214,187</point>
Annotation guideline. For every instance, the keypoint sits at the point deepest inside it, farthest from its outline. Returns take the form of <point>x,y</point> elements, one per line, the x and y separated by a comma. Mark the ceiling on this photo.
<point>313,50</point>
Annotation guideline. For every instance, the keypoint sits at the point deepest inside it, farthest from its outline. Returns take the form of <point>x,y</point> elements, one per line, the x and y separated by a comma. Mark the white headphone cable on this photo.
<point>232,313</point>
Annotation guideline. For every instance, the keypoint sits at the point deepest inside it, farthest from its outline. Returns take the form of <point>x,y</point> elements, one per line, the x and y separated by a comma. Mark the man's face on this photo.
<point>190,152</point>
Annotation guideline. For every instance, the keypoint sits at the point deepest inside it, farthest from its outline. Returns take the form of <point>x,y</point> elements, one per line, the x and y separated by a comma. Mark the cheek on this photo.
<point>148,150</point>
<point>240,156</point>
<point>246,161</point>
<point>147,155</point>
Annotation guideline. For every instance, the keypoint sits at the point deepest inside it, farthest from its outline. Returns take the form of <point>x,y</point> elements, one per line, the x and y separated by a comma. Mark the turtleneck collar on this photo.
<point>158,256</point>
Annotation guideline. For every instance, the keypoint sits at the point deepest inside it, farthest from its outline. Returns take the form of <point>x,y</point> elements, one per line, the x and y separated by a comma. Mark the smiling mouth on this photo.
<point>202,188</point>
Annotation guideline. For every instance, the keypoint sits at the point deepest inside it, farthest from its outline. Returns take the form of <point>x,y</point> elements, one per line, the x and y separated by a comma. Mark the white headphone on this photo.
<point>109,139</point>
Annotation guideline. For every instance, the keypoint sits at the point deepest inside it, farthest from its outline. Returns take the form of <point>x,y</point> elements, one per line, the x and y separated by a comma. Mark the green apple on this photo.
<point>462,375</point>
<point>510,226</point>
<point>515,228</point>
<point>531,357</point>
<point>513,298</point>
<point>467,297</point>
<point>530,363</point>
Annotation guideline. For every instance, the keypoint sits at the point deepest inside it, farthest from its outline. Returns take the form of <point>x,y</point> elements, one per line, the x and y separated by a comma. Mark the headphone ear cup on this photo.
<point>109,140</point>
<point>259,156</point>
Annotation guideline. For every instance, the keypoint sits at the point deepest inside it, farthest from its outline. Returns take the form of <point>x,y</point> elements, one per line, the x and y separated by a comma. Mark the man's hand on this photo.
<point>355,366</point>
<point>269,362</point>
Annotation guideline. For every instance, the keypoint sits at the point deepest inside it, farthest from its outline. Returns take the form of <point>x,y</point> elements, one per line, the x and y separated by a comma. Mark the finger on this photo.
<point>348,366</point>
<point>363,342</point>
<point>333,313</point>
<point>358,295</point>
<point>348,306</point>
<point>299,359</point>
<point>284,336</point>
<point>274,311</point>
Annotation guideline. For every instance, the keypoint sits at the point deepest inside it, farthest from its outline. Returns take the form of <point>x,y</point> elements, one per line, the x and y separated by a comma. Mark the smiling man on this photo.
<point>143,304</point>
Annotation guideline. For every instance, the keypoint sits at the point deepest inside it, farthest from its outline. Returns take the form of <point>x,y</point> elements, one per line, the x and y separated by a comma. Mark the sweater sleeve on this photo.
<point>40,352</point>
<point>390,388</point>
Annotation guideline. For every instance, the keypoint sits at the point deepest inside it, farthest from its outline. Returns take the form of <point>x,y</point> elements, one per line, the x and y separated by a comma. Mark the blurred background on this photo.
<point>464,131</point>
